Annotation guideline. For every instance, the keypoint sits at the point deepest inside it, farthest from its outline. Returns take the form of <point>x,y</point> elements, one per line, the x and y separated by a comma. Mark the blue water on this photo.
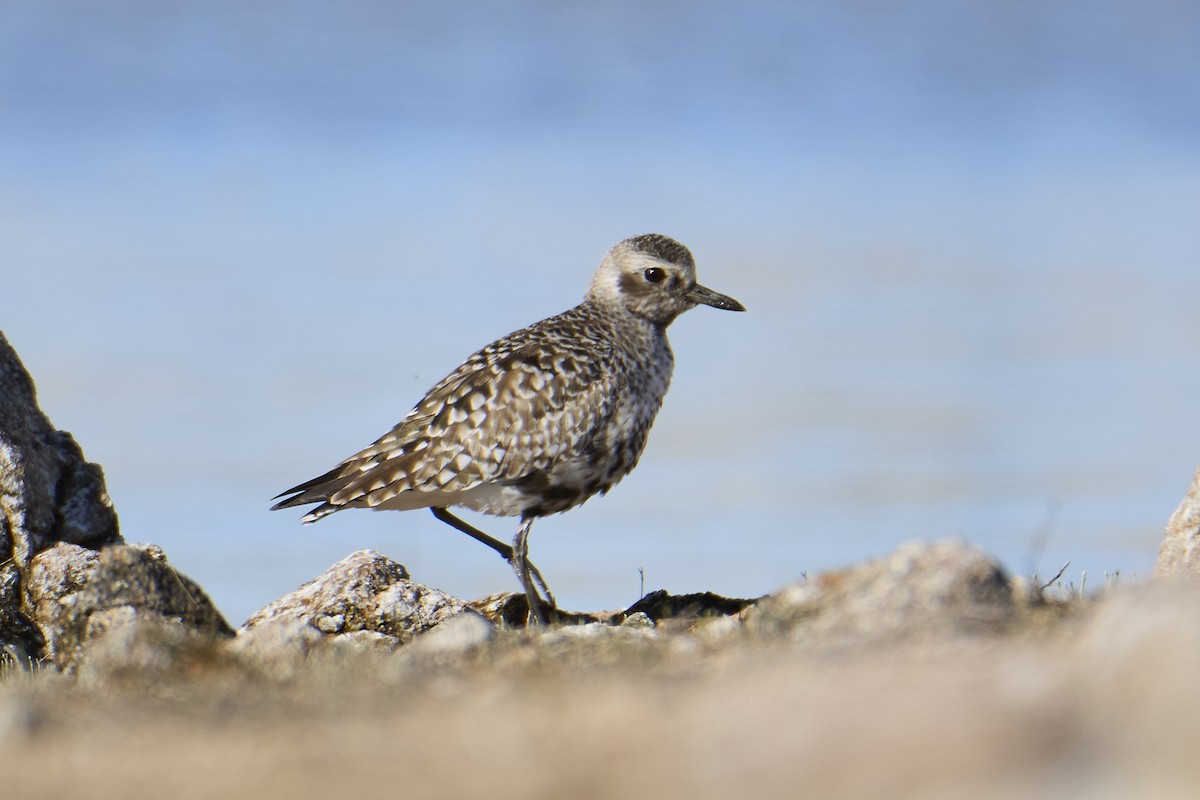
<point>240,240</point>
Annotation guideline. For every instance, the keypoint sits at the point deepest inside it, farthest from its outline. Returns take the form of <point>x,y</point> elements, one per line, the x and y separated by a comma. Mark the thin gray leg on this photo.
<point>507,553</point>
<point>524,569</point>
<point>500,547</point>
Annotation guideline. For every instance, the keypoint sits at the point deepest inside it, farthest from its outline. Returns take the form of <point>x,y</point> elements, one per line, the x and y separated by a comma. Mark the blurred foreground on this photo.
<point>1084,699</point>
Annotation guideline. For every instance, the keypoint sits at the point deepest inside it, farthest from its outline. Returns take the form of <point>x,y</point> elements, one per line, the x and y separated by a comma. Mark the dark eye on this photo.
<point>655,275</point>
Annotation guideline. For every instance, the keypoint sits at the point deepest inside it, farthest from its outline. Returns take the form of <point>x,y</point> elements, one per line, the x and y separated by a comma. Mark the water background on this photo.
<point>239,240</point>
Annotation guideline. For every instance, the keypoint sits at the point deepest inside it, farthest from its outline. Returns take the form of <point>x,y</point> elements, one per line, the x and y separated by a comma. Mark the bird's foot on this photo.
<point>542,607</point>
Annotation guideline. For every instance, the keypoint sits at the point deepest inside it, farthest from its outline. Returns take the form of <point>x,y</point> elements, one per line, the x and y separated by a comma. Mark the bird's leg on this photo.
<point>505,551</point>
<point>500,547</point>
<point>524,569</point>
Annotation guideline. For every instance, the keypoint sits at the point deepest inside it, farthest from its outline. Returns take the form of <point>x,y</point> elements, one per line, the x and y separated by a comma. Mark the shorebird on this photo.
<point>538,421</point>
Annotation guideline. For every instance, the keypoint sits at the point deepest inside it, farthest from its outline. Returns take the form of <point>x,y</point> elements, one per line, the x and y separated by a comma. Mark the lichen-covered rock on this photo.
<point>941,588</point>
<point>48,492</point>
<point>75,595</point>
<point>1179,553</point>
<point>364,592</point>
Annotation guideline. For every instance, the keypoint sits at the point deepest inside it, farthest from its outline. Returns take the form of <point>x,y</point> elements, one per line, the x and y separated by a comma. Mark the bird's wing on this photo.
<point>511,410</point>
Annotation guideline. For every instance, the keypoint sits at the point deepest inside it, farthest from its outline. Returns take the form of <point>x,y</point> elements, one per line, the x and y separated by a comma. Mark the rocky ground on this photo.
<point>927,673</point>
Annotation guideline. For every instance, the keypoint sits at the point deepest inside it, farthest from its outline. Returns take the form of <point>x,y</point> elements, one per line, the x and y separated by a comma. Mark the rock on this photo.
<point>456,636</point>
<point>365,641</point>
<point>596,631</point>
<point>48,492</point>
<point>717,629</point>
<point>595,644</point>
<point>366,591</point>
<point>511,609</point>
<point>76,595</point>
<point>130,646</point>
<point>638,619</point>
<point>21,643</point>
<point>278,646</point>
<point>937,589</point>
<point>283,647</point>
<point>661,604</point>
<point>1179,553</point>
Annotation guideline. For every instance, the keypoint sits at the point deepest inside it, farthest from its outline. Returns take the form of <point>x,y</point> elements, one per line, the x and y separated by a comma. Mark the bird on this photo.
<point>538,421</point>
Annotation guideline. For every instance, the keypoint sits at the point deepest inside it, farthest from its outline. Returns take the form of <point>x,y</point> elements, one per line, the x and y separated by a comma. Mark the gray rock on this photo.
<point>366,591</point>
<point>21,643</point>
<point>1179,553</point>
<point>717,629</point>
<point>128,645</point>
<point>511,610</point>
<point>277,646</point>
<point>364,641</point>
<point>77,595</point>
<point>661,604</point>
<point>48,492</point>
<point>937,589</point>
<point>597,630</point>
<point>638,619</point>
<point>456,636</point>
<point>599,644</point>
<point>285,647</point>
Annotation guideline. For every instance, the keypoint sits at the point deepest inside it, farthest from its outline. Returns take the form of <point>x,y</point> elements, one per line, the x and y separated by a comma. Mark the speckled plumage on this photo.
<point>540,420</point>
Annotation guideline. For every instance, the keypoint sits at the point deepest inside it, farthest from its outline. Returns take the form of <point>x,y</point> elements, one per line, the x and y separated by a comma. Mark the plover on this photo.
<point>538,421</point>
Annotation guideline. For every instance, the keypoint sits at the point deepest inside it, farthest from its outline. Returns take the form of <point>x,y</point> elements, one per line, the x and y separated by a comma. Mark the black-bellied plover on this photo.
<point>539,421</point>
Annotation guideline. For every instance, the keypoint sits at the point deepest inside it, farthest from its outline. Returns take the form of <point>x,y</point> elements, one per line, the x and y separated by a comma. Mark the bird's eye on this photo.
<point>655,275</point>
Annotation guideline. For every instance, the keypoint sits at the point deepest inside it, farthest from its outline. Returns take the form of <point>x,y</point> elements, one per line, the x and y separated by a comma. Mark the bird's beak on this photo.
<point>702,294</point>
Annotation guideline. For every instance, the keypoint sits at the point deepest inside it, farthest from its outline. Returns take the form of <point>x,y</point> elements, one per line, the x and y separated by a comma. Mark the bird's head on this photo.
<point>654,277</point>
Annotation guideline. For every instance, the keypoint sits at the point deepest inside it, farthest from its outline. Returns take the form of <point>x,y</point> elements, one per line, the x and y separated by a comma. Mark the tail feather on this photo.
<point>323,510</point>
<point>317,490</point>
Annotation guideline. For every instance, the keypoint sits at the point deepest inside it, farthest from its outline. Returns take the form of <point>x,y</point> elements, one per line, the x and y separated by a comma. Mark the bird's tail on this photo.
<point>317,490</point>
